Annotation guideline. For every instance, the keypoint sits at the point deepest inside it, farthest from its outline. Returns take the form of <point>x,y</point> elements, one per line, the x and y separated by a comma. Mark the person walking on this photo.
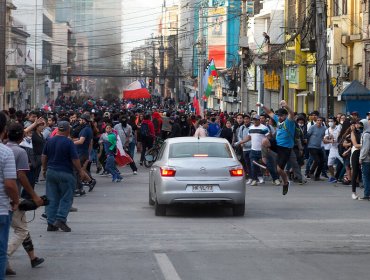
<point>126,135</point>
<point>147,136</point>
<point>365,161</point>
<point>58,159</point>
<point>9,195</point>
<point>19,220</point>
<point>315,136</point>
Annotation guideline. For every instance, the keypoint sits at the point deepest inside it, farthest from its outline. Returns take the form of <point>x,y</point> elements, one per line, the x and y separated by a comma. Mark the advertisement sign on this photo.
<point>217,25</point>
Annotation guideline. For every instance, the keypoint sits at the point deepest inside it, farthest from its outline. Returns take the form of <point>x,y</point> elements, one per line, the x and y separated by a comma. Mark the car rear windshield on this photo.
<point>200,149</point>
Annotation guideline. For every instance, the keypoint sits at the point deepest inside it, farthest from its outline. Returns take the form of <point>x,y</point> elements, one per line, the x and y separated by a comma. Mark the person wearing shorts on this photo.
<point>284,117</point>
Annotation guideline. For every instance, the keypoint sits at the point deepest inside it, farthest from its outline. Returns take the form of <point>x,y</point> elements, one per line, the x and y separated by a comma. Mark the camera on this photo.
<point>29,205</point>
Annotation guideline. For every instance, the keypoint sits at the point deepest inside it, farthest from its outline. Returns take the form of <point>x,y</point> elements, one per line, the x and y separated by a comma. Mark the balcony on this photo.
<point>270,54</point>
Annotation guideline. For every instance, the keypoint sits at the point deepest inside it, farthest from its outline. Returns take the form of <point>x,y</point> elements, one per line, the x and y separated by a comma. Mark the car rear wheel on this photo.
<point>159,209</point>
<point>238,210</point>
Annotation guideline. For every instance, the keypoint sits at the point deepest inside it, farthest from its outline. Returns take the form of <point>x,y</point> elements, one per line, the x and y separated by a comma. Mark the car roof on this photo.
<point>195,140</point>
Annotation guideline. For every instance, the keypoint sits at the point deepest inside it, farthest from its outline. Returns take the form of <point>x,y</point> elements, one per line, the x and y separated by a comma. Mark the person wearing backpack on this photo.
<point>147,136</point>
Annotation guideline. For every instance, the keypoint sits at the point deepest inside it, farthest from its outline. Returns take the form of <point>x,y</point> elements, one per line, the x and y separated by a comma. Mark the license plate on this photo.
<point>202,188</point>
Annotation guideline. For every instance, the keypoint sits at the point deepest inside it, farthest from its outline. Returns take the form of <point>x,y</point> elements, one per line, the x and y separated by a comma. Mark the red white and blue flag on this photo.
<point>136,90</point>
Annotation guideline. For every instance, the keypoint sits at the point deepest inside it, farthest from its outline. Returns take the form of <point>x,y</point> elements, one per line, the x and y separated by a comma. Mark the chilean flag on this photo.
<point>136,90</point>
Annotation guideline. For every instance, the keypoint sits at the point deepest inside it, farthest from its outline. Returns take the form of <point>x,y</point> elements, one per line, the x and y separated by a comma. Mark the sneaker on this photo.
<point>302,182</point>
<point>104,174</point>
<point>36,262</point>
<point>277,182</point>
<point>52,228</point>
<point>79,193</point>
<point>63,226</point>
<point>355,196</point>
<point>364,198</point>
<point>249,181</point>
<point>92,184</point>
<point>260,180</point>
<point>135,172</point>
<point>98,169</point>
<point>332,180</point>
<point>44,216</point>
<point>254,183</point>
<point>259,164</point>
<point>10,272</point>
<point>119,180</point>
<point>73,209</point>
<point>285,188</point>
<point>325,175</point>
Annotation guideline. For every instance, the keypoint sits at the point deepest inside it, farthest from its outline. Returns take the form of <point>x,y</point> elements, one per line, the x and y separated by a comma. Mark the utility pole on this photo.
<point>2,51</point>
<point>243,44</point>
<point>321,98</point>
<point>153,65</point>
<point>36,95</point>
<point>161,55</point>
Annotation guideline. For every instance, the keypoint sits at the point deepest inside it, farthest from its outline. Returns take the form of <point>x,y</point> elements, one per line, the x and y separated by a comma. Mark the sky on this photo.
<point>140,20</point>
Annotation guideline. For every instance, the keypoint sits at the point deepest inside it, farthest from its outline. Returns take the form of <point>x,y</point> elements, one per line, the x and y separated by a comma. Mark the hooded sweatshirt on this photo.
<point>365,148</point>
<point>157,122</point>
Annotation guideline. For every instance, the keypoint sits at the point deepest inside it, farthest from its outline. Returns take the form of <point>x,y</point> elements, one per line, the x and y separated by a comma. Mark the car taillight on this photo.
<point>168,171</point>
<point>236,172</point>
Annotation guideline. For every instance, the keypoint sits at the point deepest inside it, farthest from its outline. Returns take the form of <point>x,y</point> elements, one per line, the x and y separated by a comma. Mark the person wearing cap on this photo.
<point>83,145</point>
<point>59,157</point>
<point>355,116</point>
<point>285,132</point>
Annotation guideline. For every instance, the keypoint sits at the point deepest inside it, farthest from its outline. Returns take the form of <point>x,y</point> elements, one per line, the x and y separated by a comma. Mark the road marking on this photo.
<point>166,266</point>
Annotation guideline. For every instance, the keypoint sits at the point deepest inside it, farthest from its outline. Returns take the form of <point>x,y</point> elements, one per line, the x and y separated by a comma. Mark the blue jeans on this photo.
<point>110,166</point>
<point>59,189</point>
<point>272,165</point>
<point>366,178</point>
<point>247,162</point>
<point>255,170</point>
<point>4,237</point>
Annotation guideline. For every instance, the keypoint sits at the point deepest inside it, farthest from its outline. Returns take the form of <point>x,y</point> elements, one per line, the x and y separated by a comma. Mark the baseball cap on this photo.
<point>354,113</point>
<point>281,111</point>
<point>256,117</point>
<point>368,113</point>
<point>85,117</point>
<point>63,126</point>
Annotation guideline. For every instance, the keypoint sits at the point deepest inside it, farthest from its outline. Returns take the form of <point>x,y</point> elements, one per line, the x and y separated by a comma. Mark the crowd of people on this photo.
<point>62,148</point>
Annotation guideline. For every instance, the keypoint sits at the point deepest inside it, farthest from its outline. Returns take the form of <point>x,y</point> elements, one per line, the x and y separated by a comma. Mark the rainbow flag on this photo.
<point>209,75</point>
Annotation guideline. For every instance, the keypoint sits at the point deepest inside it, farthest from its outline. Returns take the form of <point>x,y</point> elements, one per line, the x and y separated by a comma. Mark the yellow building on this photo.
<point>345,45</point>
<point>299,59</point>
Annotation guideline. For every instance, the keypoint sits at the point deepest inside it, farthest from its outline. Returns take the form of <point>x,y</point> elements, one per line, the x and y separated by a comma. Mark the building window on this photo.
<point>47,26</point>
<point>340,7</point>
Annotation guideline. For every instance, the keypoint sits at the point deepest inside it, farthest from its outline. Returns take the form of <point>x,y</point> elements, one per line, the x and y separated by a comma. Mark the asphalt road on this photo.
<point>315,232</point>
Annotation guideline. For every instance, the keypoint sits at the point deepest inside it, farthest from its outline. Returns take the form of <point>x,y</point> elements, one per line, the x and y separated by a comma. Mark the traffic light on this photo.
<point>150,87</point>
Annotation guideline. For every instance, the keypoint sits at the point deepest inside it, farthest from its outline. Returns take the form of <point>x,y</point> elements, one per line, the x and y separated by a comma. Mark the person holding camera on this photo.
<point>58,159</point>
<point>19,224</point>
<point>9,195</point>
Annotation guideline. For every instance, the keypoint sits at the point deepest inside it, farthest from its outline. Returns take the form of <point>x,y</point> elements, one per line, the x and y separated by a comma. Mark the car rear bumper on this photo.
<point>171,191</point>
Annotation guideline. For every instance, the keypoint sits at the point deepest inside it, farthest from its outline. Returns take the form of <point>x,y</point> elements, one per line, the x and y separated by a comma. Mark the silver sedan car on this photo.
<point>196,170</point>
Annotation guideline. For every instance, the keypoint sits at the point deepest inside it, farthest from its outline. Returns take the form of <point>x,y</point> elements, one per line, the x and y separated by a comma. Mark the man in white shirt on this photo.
<point>257,133</point>
<point>331,139</point>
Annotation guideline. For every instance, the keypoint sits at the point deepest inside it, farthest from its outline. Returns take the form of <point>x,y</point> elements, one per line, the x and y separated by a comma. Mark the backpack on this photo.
<point>144,130</point>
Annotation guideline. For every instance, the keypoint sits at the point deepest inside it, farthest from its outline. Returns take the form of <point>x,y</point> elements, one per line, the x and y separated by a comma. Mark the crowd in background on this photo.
<point>63,147</point>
